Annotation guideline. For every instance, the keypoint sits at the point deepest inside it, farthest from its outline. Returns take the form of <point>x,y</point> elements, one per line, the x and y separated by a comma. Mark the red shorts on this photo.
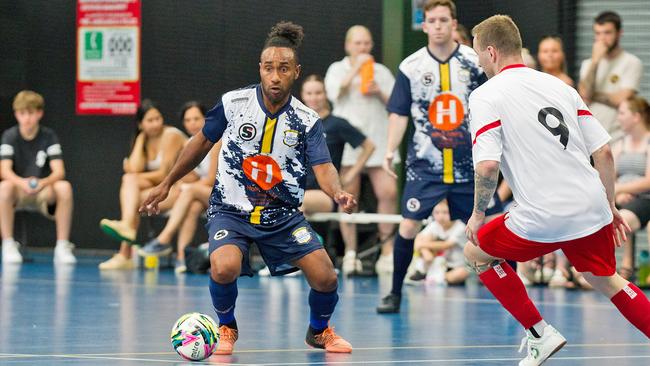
<point>593,253</point>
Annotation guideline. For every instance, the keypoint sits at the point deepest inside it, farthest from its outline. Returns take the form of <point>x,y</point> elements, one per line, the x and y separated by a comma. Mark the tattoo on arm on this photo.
<point>484,190</point>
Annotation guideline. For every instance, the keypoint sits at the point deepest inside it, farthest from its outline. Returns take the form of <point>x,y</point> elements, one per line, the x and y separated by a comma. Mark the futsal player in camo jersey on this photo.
<point>269,140</point>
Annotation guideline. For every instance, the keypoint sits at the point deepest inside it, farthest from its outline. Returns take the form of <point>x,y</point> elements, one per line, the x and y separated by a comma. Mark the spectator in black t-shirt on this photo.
<point>338,132</point>
<point>32,170</point>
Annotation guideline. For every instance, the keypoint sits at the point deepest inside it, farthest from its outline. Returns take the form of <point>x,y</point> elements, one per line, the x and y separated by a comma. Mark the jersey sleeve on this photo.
<point>317,151</point>
<point>400,98</point>
<point>350,134</point>
<point>485,125</point>
<point>594,133</point>
<point>7,146</point>
<point>215,123</point>
<point>53,149</point>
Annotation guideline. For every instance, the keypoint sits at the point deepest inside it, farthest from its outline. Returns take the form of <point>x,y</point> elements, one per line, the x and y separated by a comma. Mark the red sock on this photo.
<point>634,306</point>
<point>507,287</point>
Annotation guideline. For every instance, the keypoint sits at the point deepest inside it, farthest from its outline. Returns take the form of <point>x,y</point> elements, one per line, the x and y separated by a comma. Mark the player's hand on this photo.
<point>157,195</point>
<point>387,164</point>
<point>598,51</point>
<point>473,224</point>
<point>346,201</point>
<point>621,228</point>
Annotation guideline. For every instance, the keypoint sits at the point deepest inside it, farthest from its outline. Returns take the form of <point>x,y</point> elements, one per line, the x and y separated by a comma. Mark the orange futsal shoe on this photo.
<point>227,338</point>
<point>328,340</point>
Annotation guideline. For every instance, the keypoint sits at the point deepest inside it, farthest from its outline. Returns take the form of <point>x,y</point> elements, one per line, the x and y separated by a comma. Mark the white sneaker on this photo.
<point>63,254</point>
<point>10,253</point>
<point>384,264</point>
<point>558,279</point>
<point>351,264</point>
<point>437,271</point>
<point>264,272</point>
<point>540,349</point>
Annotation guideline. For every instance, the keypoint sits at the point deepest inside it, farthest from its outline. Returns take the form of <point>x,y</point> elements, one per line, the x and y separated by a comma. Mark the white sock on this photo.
<point>538,328</point>
<point>8,241</point>
<point>61,242</point>
<point>420,266</point>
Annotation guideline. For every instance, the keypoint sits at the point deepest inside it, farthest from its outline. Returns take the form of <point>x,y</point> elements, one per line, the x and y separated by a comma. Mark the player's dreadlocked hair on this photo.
<point>285,34</point>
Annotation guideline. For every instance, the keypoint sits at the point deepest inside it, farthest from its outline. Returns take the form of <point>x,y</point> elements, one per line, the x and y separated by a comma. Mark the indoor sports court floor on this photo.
<point>79,316</point>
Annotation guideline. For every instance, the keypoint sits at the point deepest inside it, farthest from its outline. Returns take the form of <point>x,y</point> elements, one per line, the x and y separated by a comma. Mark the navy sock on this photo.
<point>402,256</point>
<point>223,300</point>
<point>322,306</point>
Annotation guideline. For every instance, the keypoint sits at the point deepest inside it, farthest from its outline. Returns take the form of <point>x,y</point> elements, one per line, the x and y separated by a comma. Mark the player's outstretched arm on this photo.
<point>189,158</point>
<point>604,164</point>
<point>396,128</point>
<point>486,177</point>
<point>328,180</point>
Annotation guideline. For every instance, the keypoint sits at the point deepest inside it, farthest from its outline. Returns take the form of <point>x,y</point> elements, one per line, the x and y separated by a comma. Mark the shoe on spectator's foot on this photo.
<point>155,248</point>
<point>384,264</point>
<point>416,278</point>
<point>540,349</point>
<point>179,266</point>
<point>351,263</point>
<point>264,272</point>
<point>558,279</point>
<point>389,304</point>
<point>10,252</point>
<point>63,253</point>
<point>118,261</point>
<point>327,340</point>
<point>118,230</point>
<point>227,338</point>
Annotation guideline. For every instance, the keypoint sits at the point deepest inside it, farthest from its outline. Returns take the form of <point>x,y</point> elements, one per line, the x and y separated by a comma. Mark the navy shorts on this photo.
<point>420,197</point>
<point>279,244</point>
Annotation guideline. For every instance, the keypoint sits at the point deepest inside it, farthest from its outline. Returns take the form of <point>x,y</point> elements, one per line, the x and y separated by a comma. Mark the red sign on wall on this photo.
<point>108,56</point>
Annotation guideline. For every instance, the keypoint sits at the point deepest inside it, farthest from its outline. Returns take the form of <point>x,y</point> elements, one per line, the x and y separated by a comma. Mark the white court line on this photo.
<point>332,362</point>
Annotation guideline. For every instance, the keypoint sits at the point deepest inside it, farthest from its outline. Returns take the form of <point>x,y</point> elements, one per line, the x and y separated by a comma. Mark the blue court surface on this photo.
<point>79,316</point>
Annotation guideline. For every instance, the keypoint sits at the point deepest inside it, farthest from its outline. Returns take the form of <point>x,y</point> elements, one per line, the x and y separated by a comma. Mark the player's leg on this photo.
<point>61,196</point>
<point>319,272</point>
<point>349,231</point>
<point>9,196</point>
<point>502,281</point>
<point>225,268</point>
<point>594,257</point>
<point>385,189</point>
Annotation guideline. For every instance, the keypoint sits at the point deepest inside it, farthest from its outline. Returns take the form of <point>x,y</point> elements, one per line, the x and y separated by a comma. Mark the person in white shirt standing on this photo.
<point>541,134</point>
<point>611,75</point>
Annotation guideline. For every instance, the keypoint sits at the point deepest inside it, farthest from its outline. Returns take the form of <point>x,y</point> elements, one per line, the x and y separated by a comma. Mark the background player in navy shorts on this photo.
<point>269,140</point>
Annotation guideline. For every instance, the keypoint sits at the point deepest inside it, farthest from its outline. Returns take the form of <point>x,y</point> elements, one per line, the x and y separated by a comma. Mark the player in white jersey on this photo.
<point>541,134</point>
<point>269,139</point>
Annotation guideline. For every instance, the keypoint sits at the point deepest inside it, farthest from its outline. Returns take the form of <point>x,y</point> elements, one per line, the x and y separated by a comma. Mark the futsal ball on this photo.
<point>195,336</point>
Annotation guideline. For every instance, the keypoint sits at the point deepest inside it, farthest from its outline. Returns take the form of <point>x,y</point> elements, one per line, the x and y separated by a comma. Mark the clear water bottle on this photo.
<point>644,268</point>
<point>33,183</point>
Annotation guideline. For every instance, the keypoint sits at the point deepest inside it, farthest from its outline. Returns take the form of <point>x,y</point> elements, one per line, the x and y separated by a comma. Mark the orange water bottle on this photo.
<point>367,73</point>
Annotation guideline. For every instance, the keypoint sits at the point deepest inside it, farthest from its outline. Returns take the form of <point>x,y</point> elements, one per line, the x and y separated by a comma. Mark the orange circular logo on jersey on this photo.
<point>446,112</point>
<point>262,170</point>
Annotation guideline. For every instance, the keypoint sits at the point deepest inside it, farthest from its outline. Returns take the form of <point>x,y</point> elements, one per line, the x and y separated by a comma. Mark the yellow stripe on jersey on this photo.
<point>256,215</point>
<point>447,165</point>
<point>445,77</point>
<point>267,138</point>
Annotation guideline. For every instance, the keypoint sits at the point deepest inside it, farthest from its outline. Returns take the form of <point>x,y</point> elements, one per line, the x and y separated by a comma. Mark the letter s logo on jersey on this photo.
<point>262,170</point>
<point>446,112</point>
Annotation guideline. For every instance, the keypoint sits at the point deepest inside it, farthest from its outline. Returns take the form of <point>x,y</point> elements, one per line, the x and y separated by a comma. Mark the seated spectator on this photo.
<point>338,133</point>
<point>633,170</point>
<point>461,35</point>
<point>192,199</point>
<point>550,55</point>
<point>33,177</point>
<point>359,88</point>
<point>440,245</point>
<point>610,75</point>
<point>154,151</point>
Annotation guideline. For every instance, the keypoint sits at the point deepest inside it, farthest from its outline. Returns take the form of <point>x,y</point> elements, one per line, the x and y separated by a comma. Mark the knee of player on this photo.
<point>7,189</point>
<point>408,229</point>
<point>326,283</point>
<point>223,273</point>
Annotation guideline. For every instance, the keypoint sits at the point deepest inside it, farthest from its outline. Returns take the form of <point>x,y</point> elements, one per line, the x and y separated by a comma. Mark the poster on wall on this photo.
<point>108,57</point>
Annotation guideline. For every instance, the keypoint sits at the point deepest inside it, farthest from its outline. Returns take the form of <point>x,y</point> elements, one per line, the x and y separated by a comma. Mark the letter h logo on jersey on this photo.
<point>446,112</point>
<point>262,170</point>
